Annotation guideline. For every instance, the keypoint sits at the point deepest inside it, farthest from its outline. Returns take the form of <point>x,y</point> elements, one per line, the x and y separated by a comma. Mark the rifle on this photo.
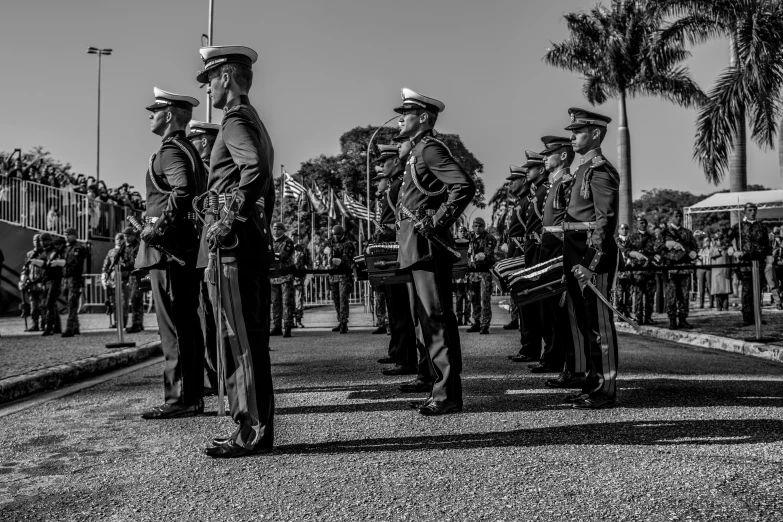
<point>417,223</point>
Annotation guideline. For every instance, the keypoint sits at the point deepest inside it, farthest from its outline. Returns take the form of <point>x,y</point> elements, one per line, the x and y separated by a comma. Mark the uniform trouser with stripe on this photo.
<point>402,344</point>
<point>209,329</point>
<point>530,315</point>
<point>424,373</point>
<point>432,298</point>
<point>175,290</point>
<point>592,322</point>
<point>244,300</point>
<point>555,325</point>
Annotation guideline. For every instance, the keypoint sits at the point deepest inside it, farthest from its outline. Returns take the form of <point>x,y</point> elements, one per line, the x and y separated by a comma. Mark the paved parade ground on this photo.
<point>697,435</point>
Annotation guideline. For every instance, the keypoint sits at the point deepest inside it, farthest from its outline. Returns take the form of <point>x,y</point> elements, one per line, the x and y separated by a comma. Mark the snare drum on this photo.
<point>382,265</point>
<point>538,282</point>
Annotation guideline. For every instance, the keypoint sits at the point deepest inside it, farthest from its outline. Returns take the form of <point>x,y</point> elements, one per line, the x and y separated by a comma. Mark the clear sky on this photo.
<point>324,67</point>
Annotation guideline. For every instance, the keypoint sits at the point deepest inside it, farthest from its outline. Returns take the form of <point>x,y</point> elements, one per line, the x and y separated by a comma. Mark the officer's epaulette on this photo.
<point>430,139</point>
<point>598,161</point>
<point>596,164</point>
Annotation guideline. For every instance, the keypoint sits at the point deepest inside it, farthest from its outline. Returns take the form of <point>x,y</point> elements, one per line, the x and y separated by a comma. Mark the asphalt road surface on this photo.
<point>697,436</point>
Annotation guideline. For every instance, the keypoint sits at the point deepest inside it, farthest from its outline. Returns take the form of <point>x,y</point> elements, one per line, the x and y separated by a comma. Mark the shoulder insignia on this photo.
<point>430,139</point>
<point>598,161</point>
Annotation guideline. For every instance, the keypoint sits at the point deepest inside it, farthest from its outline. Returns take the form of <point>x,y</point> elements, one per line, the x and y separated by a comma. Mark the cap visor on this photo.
<point>400,139</point>
<point>379,177</point>
<point>156,106</point>
<point>576,126</point>
<point>203,77</point>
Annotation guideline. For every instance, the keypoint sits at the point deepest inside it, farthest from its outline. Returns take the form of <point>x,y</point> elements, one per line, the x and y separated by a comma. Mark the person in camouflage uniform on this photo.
<point>282,286</point>
<point>750,240</point>
<point>341,251</point>
<point>30,283</point>
<point>641,249</point>
<point>302,261</point>
<point>108,281</point>
<point>75,256</point>
<point>51,263</point>
<point>678,247</point>
<point>622,292</point>
<point>482,257</point>
<point>131,282</point>
<point>462,306</point>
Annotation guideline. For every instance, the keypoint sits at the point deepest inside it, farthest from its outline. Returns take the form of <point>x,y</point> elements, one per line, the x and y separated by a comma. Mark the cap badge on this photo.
<point>573,117</point>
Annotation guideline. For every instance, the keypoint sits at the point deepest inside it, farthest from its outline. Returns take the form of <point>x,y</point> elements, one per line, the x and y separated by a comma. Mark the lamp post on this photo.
<point>99,52</point>
<point>209,43</point>
<point>369,147</point>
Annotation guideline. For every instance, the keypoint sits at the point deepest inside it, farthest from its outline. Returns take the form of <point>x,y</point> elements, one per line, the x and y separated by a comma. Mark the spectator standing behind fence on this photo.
<point>678,247</point>
<point>341,251</point>
<point>704,275</point>
<point>622,292</point>
<point>720,283</point>
<point>750,242</point>
<point>75,255</point>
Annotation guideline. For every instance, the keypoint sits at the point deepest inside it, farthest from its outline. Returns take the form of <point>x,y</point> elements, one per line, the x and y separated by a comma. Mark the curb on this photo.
<point>763,351</point>
<point>53,377</point>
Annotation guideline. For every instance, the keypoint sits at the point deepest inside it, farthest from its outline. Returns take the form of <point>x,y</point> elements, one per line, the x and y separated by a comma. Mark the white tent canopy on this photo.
<point>770,203</point>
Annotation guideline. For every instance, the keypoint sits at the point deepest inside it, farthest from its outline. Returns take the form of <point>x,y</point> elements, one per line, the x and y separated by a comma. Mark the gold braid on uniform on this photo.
<point>152,176</point>
<point>415,176</point>
<point>597,162</point>
<point>185,150</point>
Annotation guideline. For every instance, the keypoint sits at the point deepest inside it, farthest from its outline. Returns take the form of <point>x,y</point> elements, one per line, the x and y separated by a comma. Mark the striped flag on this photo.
<point>316,200</point>
<point>331,210</point>
<point>291,187</point>
<point>356,208</point>
<point>342,208</point>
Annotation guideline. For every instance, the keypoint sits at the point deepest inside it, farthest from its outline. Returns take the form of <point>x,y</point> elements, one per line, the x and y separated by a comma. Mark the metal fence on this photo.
<point>49,209</point>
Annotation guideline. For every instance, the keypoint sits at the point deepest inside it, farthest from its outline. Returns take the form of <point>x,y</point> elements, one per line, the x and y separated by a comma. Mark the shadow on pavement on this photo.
<point>646,433</point>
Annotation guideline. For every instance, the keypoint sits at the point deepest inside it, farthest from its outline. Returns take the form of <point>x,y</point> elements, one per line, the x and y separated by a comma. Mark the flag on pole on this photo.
<point>332,213</point>
<point>292,188</point>
<point>317,200</point>
<point>356,208</point>
<point>342,208</point>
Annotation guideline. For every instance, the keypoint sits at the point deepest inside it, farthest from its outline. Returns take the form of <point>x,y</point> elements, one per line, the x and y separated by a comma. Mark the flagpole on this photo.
<point>282,189</point>
<point>312,235</point>
<point>369,147</point>
<point>329,213</point>
<point>298,216</point>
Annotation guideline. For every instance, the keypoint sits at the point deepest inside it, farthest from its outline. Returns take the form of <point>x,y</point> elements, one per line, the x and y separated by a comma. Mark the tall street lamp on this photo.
<point>369,149</point>
<point>99,52</point>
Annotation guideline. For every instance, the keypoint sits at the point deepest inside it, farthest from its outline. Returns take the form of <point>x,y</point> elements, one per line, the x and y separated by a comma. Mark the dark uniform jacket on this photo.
<point>554,215</point>
<point>52,273</point>
<point>535,211</point>
<point>388,204</point>
<point>483,243</point>
<point>75,256</point>
<point>516,228</point>
<point>175,176</point>
<point>241,165</point>
<point>434,184</point>
<point>595,198</point>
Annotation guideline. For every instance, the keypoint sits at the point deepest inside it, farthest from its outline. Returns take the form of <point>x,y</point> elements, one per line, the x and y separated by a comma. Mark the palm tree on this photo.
<point>748,89</point>
<point>621,53</point>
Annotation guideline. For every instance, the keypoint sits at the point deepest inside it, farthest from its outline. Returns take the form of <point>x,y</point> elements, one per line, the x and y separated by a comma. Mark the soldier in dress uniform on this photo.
<point>175,176</point>
<point>51,263</point>
<point>341,253</point>
<point>531,314</point>
<point>678,247</point>
<point>241,175</point>
<point>202,135</point>
<point>382,234</point>
<point>590,256</point>
<point>282,286</point>
<point>402,344</point>
<point>437,190</point>
<point>302,261</point>
<point>556,312</point>
<point>482,257</point>
<point>132,295</point>
<point>641,250</point>
<point>73,272</point>
<point>750,240</point>
<point>622,290</point>
<point>30,282</point>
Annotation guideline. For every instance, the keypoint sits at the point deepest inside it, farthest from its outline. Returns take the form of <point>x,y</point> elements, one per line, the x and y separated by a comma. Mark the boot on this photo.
<point>475,328</point>
<point>672,323</point>
<point>380,330</point>
<point>67,333</point>
<point>484,330</point>
<point>513,325</point>
<point>34,328</point>
<point>343,328</point>
<point>134,328</point>
<point>684,324</point>
<point>299,323</point>
<point>277,330</point>
<point>287,332</point>
<point>337,328</point>
<point>46,333</point>
<point>459,321</point>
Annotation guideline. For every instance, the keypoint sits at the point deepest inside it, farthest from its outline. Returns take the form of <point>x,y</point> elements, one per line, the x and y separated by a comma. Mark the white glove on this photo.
<point>327,250</point>
<point>337,261</point>
<point>480,256</point>
<point>504,247</point>
<point>37,262</point>
<point>692,255</point>
<point>58,262</point>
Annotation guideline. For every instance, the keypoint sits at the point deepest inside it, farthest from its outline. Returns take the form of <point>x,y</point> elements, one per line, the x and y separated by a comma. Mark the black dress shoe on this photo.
<point>597,403</point>
<point>420,404</point>
<point>210,392</point>
<point>67,333</point>
<point>174,411</point>
<point>231,449</point>
<point>473,329</point>
<point>337,328</point>
<point>277,330</point>
<point>380,330</point>
<point>513,325</point>
<point>435,408</point>
<point>542,368</point>
<point>46,332</point>
<point>415,386</point>
<point>575,397</point>
<point>401,370</point>
<point>567,380</point>
<point>386,360</point>
<point>522,358</point>
<point>673,324</point>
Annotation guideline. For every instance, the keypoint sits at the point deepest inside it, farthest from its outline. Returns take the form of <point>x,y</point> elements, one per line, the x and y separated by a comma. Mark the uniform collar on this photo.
<point>280,238</point>
<point>590,155</point>
<point>242,99</point>
<point>746,220</point>
<point>415,140</point>
<point>675,227</point>
<point>560,173</point>
<point>174,133</point>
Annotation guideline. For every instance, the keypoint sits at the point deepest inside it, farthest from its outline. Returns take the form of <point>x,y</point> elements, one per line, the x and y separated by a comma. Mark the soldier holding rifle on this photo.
<point>677,246</point>
<point>750,240</point>
<point>438,190</point>
<point>30,284</point>
<point>236,248</point>
<point>174,177</point>
<point>641,251</point>
<point>590,258</point>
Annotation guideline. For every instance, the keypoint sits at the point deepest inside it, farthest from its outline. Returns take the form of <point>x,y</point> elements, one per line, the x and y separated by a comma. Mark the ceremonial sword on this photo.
<point>597,292</point>
<point>432,237</point>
